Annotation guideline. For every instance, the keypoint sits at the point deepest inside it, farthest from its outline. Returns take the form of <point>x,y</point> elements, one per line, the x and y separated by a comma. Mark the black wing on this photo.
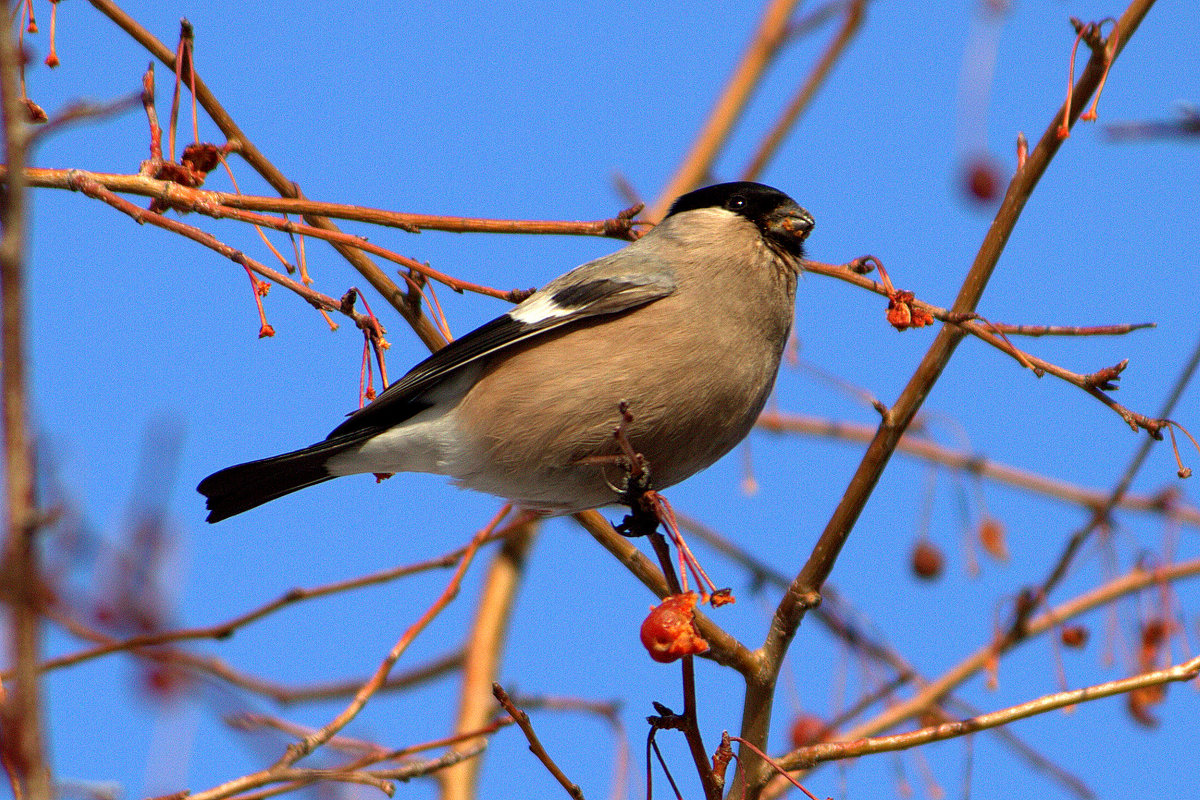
<point>585,292</point>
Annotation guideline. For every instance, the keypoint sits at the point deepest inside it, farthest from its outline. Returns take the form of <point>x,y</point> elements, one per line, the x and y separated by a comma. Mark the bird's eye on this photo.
<point>736,203</point>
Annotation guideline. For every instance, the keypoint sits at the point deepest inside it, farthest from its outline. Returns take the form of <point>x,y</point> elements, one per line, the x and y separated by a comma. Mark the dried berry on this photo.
<point>669,632</point>
<point>1074,636</point>
<point>981,179</point>
<point>927,560</point>
<point>808,729</point>
<point>991,536</point>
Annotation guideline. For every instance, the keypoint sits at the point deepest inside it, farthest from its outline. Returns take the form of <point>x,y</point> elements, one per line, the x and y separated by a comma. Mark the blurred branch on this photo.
<point>484,649</point>
<point>1165,502</point>
<point>22,751</point>
<point>939,689</point>
<point>369,752</point>
<point>200,665</point>
<point>771,35</point>
<point>224,630</point>
<point>753,773</point>
<point>814,754</point>
<point>1186,127</point>
<point>852,20</point>
<point>1119,492</point>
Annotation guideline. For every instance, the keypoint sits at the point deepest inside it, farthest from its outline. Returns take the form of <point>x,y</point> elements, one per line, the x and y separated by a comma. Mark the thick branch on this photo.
<point>21,748</point>
<point>753,773</point>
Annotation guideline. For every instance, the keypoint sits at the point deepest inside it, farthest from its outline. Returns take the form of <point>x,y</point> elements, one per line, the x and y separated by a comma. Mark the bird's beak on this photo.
<point>790,226</point>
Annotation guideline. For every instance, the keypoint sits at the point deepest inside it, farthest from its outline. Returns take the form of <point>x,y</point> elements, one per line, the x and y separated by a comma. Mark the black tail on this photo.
<point>240,488</point>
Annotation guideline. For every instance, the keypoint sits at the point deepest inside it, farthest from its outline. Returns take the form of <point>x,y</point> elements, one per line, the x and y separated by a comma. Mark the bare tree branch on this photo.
<point>22,752</point>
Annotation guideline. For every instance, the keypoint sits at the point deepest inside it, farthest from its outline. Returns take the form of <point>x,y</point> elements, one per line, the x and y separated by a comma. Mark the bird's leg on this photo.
<point>648,510</point>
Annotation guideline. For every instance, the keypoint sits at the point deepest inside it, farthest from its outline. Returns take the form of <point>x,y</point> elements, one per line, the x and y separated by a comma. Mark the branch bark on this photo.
<point>753,773</point>
<point>22,751</point>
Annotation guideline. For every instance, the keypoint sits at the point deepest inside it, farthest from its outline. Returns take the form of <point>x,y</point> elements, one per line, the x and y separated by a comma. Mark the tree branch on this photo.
<point>752,771</point>
<point>22,752</point>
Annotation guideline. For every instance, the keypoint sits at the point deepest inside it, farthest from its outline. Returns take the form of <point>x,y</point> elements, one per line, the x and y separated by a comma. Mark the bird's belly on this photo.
<point>679,428</point>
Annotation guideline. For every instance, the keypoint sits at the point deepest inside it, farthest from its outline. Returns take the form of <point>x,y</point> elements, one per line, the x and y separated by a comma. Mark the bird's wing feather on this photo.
<point>594,289</point>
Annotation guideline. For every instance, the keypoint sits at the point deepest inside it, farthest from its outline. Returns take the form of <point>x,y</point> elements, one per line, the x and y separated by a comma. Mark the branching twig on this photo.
<point>1094,499</point>
<point>315,298</point>
<point>244,146</point>
<point>995,334</point>
<point>817,753</point>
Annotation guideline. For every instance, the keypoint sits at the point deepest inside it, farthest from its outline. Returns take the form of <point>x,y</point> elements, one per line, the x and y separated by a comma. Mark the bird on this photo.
<point>680,333</point>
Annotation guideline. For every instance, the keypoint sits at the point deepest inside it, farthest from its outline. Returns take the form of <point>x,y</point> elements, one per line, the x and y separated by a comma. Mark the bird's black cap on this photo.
<point>754,201</point>
<point>782,222</point>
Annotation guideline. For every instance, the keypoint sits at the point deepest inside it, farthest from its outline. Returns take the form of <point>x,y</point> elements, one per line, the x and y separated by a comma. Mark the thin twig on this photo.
<point>1070,330</point>
<point>995,335</point>
<point>611,712</point>
<point>185,198</point>
<point>535,744</point>
<point>971,463</point>
<point>310,743</point>
<point>315,298</point>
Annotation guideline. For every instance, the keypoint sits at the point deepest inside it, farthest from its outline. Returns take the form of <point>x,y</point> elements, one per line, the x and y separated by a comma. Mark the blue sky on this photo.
<point>485,109</point>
